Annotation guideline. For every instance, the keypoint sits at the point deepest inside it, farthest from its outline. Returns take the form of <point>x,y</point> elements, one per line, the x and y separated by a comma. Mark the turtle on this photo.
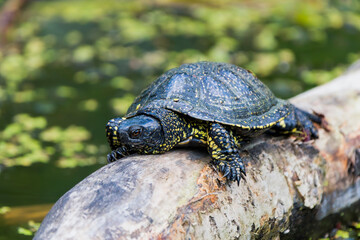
<point>219,105</point>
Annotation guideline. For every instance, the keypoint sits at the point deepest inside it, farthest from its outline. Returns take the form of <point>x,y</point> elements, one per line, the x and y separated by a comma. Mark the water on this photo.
<point>31,192</point>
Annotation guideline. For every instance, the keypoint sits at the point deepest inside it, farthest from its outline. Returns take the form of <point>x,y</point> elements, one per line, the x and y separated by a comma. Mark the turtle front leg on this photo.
<point>116,154</point>
<point>299,121</point>
<point>224,152</point>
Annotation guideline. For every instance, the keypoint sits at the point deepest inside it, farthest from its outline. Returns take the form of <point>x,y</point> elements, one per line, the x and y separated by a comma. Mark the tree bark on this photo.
<point>290,185</point>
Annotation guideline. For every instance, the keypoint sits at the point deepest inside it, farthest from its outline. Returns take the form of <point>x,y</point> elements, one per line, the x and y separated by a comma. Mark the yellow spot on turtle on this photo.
<point>175,99</point>
<point>138,106</point>
<point>282,123</point>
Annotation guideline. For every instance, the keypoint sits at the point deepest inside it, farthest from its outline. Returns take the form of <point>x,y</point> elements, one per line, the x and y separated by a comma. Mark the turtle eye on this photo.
<point>135,132</point>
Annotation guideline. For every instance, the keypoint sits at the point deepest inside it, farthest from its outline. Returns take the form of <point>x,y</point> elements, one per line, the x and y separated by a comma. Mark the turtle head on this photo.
<point>138,134</point>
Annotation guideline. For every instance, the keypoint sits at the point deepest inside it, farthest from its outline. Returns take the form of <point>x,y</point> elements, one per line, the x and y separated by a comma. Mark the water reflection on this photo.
<point>31,191</point>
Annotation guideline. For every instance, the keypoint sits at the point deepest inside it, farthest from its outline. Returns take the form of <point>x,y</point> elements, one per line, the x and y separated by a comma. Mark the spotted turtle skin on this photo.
<point>218,105</point>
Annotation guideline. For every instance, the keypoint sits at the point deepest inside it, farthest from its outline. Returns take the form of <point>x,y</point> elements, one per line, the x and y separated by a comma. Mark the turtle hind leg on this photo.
<point>224,152</point>
<point>307,121</point>
<point>299,121</point>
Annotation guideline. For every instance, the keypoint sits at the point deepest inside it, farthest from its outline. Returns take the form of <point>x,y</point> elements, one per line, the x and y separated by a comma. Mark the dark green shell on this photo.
<point>216,92</point>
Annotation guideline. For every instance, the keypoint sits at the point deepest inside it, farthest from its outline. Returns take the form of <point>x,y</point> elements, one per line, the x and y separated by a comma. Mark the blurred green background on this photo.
<point>66,67</point>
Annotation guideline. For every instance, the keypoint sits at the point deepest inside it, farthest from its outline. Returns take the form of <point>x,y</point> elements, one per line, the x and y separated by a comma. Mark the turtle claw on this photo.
<point>111,157</point>
<point>116,154</point>
<point>119,153</point>
<point>233,170</point>
<point>222,168</point>
<point>226,172</point>
<point>238,178</point>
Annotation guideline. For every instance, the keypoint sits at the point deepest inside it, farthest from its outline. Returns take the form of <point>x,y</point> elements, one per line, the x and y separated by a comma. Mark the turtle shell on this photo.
<point>216,92</point>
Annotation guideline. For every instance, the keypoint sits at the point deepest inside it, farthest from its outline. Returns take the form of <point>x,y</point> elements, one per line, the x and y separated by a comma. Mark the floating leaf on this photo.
<point>24,231</point>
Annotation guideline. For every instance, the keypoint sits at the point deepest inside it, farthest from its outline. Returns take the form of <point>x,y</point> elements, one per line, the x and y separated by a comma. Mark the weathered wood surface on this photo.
<point>179,195</point>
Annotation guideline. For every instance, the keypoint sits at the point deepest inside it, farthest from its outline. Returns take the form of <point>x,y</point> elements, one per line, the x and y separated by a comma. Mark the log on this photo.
<point>290,185</point>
